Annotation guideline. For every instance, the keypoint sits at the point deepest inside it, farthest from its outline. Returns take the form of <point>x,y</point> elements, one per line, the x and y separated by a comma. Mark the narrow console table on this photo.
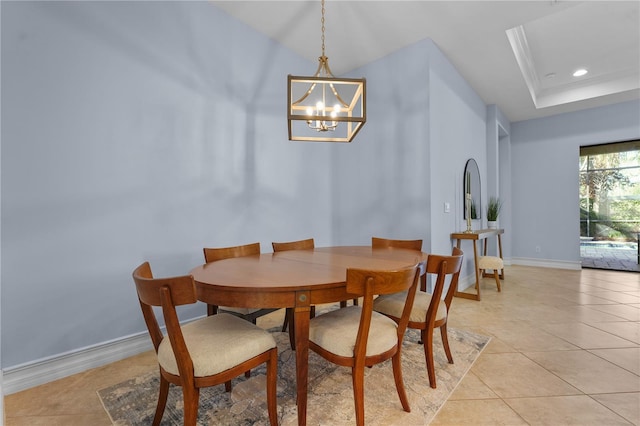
<point>474,236</point>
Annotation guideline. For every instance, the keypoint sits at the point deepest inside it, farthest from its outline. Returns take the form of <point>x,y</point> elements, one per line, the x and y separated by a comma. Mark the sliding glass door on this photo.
<point>610,205</point>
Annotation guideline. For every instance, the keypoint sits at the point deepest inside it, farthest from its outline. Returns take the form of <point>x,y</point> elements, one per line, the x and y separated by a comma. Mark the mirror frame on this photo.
<point>471,167</point>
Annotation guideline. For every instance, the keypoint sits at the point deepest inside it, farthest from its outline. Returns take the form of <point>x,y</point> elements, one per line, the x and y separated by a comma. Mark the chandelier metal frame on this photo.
<point>309,116</point>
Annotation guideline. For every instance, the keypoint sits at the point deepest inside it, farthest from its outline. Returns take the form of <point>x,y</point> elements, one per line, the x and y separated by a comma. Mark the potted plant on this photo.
<point>493,211</point>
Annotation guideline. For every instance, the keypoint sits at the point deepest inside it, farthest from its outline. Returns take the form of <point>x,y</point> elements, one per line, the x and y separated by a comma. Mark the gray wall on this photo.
<point>457,132</point>
<point>380,184</point>
<point>136,131</point>
<point>424,122</point>
<point>545,198</point>
<point>144,131</point>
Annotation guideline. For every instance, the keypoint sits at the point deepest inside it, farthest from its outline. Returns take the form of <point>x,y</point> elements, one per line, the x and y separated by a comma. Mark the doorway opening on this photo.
<point>610,206</point>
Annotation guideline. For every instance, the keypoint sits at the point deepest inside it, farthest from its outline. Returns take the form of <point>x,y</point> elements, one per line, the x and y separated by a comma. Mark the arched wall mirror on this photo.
<point>471,184</point>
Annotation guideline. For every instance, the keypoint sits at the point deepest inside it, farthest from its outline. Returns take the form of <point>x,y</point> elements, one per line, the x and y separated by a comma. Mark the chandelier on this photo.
<point>323,107</point>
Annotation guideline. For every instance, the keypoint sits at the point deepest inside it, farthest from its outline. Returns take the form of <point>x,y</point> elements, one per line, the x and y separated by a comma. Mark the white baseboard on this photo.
<point>25,376</point>
<point>547,263</point>
<point>470,280</point>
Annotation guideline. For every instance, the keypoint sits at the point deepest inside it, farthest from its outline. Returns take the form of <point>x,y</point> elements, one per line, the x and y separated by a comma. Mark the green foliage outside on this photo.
<point>610,196</point>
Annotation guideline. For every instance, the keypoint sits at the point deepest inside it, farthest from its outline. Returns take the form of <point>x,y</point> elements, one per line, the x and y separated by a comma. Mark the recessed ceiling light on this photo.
<point>580,72</point>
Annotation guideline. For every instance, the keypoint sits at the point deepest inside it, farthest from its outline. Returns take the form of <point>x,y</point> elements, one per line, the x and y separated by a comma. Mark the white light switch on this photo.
<point>447,207</point>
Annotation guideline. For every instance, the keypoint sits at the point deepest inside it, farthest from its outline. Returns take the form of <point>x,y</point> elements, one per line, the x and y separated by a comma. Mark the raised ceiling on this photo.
<point>519,55</point>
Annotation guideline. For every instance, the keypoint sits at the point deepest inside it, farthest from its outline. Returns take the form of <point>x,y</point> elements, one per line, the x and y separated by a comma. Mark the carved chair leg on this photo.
<point>397,376</point>
<point>445,342</point>
<point>191,400</point>
<point>212,310</point>
<point>272,379</point>
<point>292,329</point>
<point>427,337</point>
<point>162,400</point>
<point>357,377</point>
<point>286,319</point>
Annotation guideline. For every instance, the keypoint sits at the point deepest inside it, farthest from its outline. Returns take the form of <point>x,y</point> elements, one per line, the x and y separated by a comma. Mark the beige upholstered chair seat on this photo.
<point>490,262</point>
<point>336,331</point>
<point>393,304</point>
<point>217,343</point>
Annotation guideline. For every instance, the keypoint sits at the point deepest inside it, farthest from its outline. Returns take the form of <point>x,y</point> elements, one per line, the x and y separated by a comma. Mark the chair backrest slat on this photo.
<point>167,293</point>
<point>174,332</point>
<point>369,283</point>
<point>443,267</point>
<point>377,242</point>
<point>183,288</point>
<point>294,245</point>
<point>380,282</point>
<point>453,284</point>
<point>213,254</point>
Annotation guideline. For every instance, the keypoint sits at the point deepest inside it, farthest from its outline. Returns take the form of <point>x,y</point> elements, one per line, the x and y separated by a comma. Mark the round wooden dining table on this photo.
<point>294,279</point>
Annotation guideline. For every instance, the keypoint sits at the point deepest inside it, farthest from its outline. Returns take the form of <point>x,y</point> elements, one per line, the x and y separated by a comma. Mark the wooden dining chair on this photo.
<point>429,310</point>
<point>205,352</point>
<point>377,242</point>
<point>214,254</point>
<point>307,244</point>
<point>359,337</point>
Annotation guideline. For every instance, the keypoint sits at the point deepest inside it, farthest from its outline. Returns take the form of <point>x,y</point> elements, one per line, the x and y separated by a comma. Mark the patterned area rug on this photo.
<point>330,400</point>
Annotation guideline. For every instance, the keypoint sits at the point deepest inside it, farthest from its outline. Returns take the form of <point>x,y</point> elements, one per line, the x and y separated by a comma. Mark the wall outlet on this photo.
<point>537,249</point>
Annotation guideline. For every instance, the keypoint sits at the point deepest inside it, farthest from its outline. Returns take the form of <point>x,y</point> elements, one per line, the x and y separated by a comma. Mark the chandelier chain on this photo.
<point>322,22</point>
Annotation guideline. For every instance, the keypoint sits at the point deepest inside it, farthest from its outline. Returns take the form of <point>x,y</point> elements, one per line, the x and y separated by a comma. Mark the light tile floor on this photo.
<point>565,350</point>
